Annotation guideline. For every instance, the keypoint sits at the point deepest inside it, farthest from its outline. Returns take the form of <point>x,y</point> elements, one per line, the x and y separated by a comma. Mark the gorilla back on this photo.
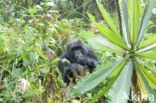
<point>75,59</point>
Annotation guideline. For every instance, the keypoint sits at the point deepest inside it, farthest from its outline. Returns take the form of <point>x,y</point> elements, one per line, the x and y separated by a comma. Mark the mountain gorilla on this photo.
<point>77,59</point>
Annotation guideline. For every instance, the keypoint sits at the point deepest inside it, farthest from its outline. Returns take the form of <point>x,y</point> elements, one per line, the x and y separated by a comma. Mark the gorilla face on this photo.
<point>76,51</point>
<point>78,54</point>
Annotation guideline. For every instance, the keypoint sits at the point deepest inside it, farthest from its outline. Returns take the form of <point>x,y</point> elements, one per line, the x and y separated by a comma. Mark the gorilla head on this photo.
<point>78,56</point>
<point>76,51</point>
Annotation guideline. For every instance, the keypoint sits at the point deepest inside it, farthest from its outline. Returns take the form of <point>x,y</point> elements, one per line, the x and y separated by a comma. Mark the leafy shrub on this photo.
<point>30,48</point>
<point>131,72</point>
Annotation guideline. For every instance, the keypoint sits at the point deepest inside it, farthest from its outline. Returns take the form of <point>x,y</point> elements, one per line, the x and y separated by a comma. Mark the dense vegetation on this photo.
<point>33,34</point>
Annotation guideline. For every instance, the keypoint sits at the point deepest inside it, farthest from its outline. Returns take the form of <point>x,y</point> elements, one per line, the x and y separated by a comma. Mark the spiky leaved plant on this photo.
<point>131,73</point>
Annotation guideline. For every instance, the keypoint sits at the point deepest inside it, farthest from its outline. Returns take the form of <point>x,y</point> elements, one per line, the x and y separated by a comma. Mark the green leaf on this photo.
<point>119,93</point>
<point>134,15</point>
<point>50,100</point>
<point>145,87</point>
<point>100,43</point>
<point>145,18</point>
<point>148,76</point>
<point>107,18</point>
<point>150,39</point>
<point>109,85</point>
<point>95,78</point>
<point>86,34</point>
<point>141,85</point>
<point>148,67</point>
<point>32,10</point>
<point>39,52</point>
<point>91,17</point>
<point>149,54</point>
<point>146,49</point>
<point>111,36</point>
<point>124,20</point>
<point>104,90</point>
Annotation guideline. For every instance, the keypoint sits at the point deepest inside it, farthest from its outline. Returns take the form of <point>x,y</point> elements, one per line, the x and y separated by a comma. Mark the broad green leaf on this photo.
<point>148,67</point>
<point>104,90</point>
<point>116,72</point>
<point>107,18</point>
<point>124,20</point>
<point>146,49</point>
<point>95,78</point>
<point>148,76</point>
<point>141,86</point>
<point>150,55</point>
<point>109,86</point>
<point>150,39</point>
<point>100,43</point>
<point>134,15</point>
<point>119,93</point>
<point>86,34</point>
<point>145,18</point>
<point>111,36</point>
<point>146,89</point>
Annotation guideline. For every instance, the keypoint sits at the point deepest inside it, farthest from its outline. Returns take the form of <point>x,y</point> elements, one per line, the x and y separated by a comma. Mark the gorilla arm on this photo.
<point>70,71</point>
<point>90,61</point>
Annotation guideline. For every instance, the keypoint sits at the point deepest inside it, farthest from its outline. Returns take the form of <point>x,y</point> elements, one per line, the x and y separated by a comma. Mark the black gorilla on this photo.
<point>76,59</point>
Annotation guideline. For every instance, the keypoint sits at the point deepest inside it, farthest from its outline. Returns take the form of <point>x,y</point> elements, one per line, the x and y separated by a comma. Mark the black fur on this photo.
<point>76,57</point>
